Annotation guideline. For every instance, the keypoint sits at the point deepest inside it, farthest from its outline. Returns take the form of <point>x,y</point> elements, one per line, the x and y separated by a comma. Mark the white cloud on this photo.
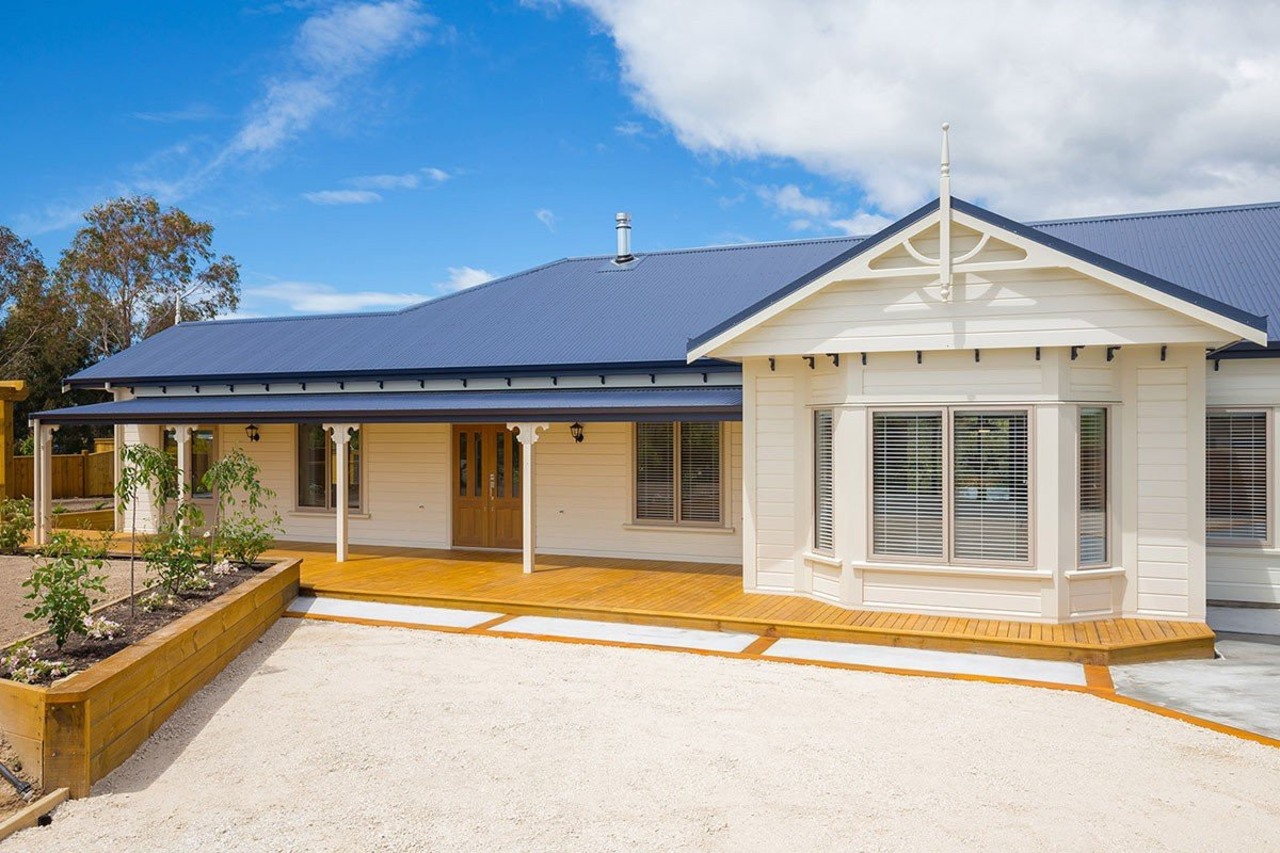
<point>791,199</point>
<point>1057,107</point>
<point>460,278</point>
<point>192,112</point>
<point>629,128</point>
<point>407,181</point>
<point>312,297</point>
<point>332,48</point>
<point>342,197</point>
<point>309,297</point>
<point>861,224</point>
<point>546,217</point>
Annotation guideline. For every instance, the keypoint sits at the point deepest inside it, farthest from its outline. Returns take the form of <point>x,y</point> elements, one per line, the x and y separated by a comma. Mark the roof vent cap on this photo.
<point>624,239</point>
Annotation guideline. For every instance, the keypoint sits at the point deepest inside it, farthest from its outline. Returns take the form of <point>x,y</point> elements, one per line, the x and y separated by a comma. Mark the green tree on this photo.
<point>134,268</point>
<point>38,342</point>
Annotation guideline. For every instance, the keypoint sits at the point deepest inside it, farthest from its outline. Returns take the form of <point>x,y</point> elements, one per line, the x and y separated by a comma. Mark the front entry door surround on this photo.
<point>486,487</point>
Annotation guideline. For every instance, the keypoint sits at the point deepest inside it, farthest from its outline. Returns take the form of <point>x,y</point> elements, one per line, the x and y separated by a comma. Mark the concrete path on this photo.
<point>695,640</point>
<point>1241,688</point>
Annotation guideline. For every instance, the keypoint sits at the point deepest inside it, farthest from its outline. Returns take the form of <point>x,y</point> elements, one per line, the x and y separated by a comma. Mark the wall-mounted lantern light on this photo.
<point>251,432</point>
<point>576,432</point>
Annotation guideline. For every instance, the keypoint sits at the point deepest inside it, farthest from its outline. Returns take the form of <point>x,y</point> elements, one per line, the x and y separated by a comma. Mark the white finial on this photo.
<point>946,149</point>
<point>944,210</point>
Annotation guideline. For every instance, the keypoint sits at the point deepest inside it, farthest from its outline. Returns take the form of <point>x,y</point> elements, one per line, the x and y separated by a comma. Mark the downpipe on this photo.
<point>23,789</point>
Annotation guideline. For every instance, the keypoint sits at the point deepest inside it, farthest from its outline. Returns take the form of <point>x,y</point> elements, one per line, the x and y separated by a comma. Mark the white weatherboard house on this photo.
<point>960,415</point>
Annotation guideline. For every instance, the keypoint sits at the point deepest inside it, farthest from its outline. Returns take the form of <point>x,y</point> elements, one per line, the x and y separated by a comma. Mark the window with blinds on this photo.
<point>1093,524</point>
<point>990,501</point>
<point>1236,476</point>
<point>678,472</point>
<point>822,492</point>
<point>907,484</point>
<point>951,485</point>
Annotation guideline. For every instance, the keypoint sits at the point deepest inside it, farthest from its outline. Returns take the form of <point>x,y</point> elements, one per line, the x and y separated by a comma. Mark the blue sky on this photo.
<point>358,155</point>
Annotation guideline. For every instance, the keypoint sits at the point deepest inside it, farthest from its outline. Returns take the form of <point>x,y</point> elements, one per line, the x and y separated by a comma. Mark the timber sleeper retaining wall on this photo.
<point>79,729</point>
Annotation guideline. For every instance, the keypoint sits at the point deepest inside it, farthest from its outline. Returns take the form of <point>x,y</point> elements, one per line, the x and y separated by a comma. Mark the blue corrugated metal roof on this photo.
<point>712,402</point>
<point>1228,253</point>
<point>571,312</point>
<point>586,311</point>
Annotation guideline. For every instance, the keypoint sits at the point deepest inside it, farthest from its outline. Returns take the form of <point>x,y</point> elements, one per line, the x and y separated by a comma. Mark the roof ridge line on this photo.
<point>725,247</point>
<point>1157,214</point>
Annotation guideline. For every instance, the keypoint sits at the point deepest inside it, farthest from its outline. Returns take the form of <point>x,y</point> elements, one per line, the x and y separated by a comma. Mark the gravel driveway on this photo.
<point>329,736</point>
<point>16,569</point>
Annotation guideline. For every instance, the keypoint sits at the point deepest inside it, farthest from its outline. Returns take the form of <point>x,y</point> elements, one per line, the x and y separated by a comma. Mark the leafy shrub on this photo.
<point>16,524</point>
<point>246,536</point>
<point>154,601</point>
<point>66,575</point>
<point>100,628</point>
<point>174,555</point>
<point>21,663</point>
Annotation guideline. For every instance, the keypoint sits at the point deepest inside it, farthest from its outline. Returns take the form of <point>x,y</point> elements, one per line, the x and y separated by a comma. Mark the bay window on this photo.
<point>951,485</point>
<point>677,472</point>
<point>318,469</point>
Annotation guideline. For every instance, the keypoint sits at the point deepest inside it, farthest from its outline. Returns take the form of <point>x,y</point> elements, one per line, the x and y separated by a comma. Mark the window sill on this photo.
<point>823,559</point>
<point>1100,572</point>
<point>679,528</point>
<point>324,513</point>
<point>964,571</point>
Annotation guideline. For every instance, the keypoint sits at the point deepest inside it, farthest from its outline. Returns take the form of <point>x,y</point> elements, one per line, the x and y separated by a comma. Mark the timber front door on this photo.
<point>486,487</point>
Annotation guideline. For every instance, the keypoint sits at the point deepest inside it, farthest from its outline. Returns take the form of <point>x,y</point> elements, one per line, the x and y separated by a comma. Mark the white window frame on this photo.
<point>215,453</point>
<point>725,476</point>
<point>1266,541</point>
<point>360,511</point>
<point>948,411</point>
<point>1110,480</point>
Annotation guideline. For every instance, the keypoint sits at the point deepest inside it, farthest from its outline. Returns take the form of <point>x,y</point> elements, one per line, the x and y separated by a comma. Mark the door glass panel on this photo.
<point>515,468</point>
<point>500,459</point>
<point>479,475</point>
<point>313,441</point>
<point>462,464</point>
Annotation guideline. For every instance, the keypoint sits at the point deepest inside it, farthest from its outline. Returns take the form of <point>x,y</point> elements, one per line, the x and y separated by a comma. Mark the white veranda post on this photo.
<point>341,434</point>
<point>43,486</point>
<point>182,441</point>
<point>528,435</point>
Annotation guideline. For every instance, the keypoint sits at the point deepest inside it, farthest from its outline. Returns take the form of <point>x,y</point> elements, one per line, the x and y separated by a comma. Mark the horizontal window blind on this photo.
<point>1093,521</point>
<point>989,493</point>
<point>907,484</point>
<point>1236,476</point>
<point>655,472</point>
<point>822,492</point>
<point>699,472</point>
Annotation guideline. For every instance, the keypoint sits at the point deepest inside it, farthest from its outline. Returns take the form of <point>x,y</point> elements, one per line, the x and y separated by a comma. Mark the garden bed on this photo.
<point>79,728</point>
<point>81,652</point>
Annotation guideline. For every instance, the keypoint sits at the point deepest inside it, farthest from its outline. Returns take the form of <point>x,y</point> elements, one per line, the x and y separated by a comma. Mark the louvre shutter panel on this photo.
<point>822,493</point>
<point>700,472</point>
<point>990,500</point>
<point>907,484</point>
<point>655,472</point>
<point>1094,526</point>
<point>1236,476</point>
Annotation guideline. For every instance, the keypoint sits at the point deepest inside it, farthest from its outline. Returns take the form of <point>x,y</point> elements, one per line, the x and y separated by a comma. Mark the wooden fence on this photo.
<point>75,475</point>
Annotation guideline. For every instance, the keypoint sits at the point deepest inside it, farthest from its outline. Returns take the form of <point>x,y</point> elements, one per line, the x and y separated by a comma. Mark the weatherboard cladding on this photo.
<point>586,311</point>
<point>716,403</point>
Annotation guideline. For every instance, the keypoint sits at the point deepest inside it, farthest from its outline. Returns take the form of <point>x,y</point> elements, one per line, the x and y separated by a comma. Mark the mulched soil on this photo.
<point>81,652</point>
<point>10,802</point>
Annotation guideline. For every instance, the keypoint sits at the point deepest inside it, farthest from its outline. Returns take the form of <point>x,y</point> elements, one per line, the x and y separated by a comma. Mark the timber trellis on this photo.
<point>75,475</point>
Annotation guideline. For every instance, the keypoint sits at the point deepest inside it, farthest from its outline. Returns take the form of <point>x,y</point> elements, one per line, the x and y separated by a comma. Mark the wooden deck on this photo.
<point>710,596</point>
